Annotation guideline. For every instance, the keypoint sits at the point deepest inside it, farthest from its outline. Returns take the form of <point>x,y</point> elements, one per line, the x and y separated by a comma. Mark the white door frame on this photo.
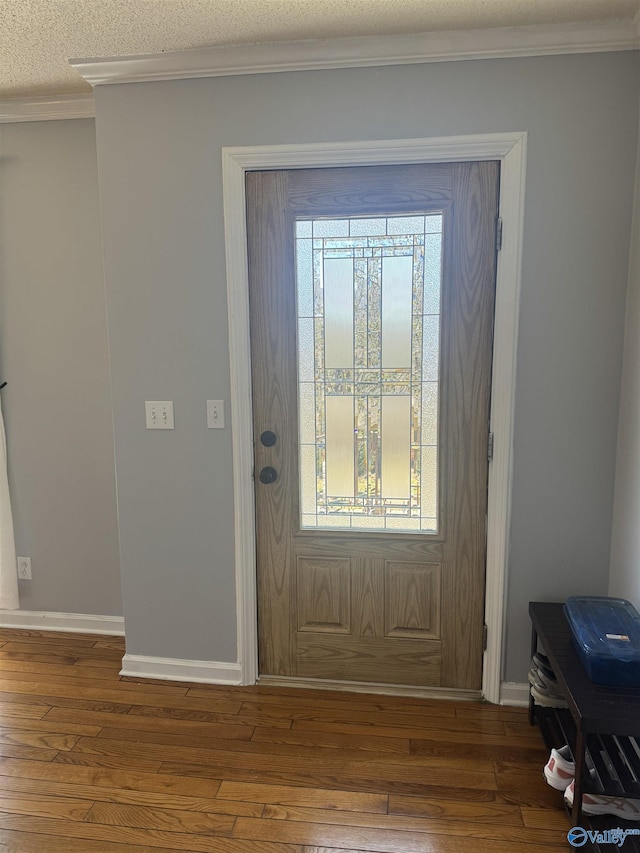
<point>510,149</point>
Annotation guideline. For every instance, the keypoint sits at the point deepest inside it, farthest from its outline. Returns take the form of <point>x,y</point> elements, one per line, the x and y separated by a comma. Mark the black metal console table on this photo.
<point>601,722</point>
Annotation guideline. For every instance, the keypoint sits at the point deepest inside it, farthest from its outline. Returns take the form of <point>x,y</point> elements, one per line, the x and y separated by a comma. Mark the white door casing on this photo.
<point>510,149</point>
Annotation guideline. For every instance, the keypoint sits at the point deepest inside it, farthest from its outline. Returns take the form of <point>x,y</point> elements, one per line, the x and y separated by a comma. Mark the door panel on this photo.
<point>324,594</point>
<point>412,600</point>
<point>339,599</point>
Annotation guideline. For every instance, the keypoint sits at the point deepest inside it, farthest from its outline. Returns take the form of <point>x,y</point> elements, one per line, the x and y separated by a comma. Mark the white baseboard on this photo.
<point>176,669</point>
<point>83,623</point>
<point>514,693</point>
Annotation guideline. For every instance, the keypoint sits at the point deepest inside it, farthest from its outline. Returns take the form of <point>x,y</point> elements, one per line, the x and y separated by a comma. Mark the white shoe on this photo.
<point>560,769</point>
<point>593,804</point>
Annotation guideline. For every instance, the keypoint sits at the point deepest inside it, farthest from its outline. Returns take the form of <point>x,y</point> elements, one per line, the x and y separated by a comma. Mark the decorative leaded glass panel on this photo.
<point>368,302</point>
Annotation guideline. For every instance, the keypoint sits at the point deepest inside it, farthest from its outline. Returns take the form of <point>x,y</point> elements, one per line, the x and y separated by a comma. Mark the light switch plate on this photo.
<point>215,414</point>
<point>159,414</point>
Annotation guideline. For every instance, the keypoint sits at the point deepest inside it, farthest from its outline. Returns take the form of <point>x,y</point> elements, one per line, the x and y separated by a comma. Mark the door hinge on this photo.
<point>498,234</point>
<point>490,447</point>
<point>485,631</point>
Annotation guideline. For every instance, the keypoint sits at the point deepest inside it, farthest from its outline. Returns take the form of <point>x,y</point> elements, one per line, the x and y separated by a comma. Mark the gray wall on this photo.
<point>53,353</point>
<point>160,176</point>
<point>624,579</point>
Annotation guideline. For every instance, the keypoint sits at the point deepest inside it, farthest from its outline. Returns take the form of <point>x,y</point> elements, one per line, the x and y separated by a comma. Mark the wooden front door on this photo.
<point>372,302</point>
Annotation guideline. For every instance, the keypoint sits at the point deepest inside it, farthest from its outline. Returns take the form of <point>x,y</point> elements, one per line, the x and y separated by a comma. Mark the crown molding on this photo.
<point>47,108</point>
<point>363,51</point>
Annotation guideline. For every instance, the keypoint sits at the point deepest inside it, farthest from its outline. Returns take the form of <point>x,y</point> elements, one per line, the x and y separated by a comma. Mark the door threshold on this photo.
<point>371,687</point>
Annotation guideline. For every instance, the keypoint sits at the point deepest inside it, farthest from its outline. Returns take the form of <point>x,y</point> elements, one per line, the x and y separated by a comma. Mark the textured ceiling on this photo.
<point>37,36</point>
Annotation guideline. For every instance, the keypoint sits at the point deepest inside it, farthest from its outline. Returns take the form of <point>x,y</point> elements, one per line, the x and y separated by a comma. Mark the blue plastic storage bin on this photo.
<point>606,634</point>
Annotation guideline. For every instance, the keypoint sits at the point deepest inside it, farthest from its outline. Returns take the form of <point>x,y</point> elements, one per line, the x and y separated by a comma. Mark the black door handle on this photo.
<point>268,475</point>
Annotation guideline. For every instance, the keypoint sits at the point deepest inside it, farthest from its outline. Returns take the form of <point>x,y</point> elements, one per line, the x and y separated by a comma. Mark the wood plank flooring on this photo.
<point>94,763</point>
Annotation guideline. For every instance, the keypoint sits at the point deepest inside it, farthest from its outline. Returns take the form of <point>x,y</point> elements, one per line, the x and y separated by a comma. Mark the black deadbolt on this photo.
<point>268,438</point>
<point>268,475</point>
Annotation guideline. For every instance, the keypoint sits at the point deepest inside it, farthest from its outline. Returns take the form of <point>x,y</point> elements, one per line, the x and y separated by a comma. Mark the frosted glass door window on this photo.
<point>368,306</point>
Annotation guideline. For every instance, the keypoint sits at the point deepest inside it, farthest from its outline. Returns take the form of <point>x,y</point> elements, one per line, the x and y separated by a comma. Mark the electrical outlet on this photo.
<point>24,568</point>
<point>159,414</point>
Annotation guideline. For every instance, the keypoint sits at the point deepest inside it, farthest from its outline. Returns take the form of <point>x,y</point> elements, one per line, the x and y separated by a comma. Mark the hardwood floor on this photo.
<point>94,763</point>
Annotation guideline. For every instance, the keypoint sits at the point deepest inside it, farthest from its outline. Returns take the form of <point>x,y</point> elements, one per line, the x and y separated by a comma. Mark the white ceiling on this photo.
<point>38,36</point>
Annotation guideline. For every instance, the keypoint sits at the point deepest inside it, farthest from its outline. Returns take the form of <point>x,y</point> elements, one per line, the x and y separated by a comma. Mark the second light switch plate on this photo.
<point>159,414</point>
